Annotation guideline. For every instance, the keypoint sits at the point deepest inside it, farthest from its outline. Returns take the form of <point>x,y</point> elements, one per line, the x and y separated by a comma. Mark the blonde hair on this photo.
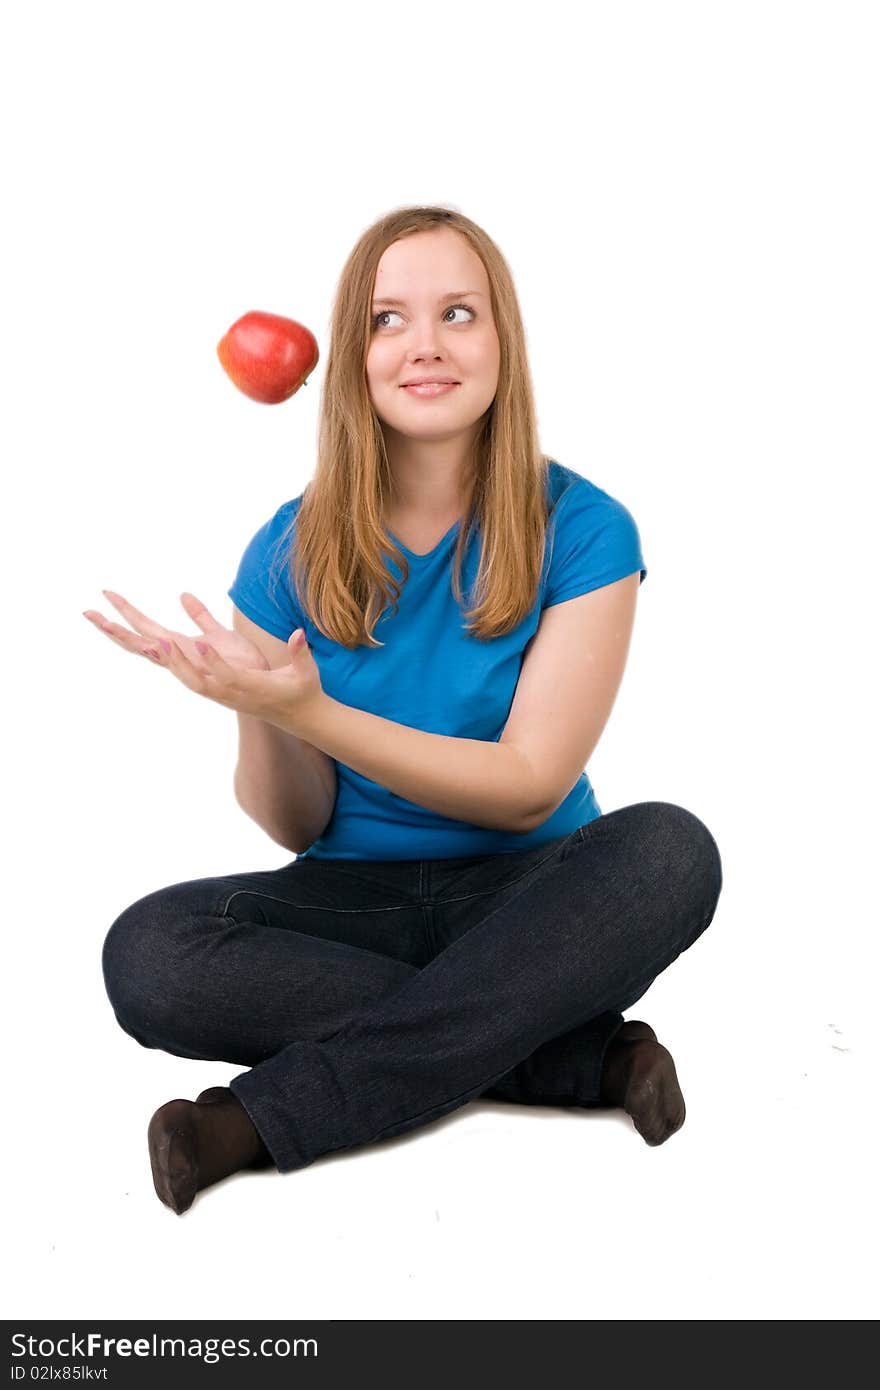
<point>336,560</point>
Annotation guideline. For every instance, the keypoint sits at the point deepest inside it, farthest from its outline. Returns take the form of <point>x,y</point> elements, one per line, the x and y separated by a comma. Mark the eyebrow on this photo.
<point>453,294</point>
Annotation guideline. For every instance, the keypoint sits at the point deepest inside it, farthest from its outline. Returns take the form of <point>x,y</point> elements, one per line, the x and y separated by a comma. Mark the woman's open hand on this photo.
<point>235,649</point>
<point>225,667</point>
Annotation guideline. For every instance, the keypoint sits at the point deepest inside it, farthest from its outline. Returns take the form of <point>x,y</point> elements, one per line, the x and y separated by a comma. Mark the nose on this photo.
<point>425,342</point>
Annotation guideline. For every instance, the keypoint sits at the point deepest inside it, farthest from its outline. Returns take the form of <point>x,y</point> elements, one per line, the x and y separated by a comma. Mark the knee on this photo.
<point>143,964</point>
<point>685,856</point>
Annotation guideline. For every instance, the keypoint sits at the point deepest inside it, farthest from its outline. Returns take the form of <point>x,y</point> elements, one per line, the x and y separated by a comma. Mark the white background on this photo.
<point>687,196</point>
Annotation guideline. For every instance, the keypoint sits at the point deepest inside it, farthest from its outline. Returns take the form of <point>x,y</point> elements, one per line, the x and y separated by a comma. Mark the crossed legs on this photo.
<point>348,1045</point>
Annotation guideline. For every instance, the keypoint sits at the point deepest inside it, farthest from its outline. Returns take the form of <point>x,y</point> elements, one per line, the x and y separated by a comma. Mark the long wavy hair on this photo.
<point>336,559</point>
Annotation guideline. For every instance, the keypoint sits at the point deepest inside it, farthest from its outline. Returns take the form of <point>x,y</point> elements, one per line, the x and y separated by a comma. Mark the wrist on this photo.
<point>310,716</point>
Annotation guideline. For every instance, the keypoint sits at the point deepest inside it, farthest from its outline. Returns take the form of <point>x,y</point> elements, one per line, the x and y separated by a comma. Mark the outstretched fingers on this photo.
<point>200,615</point>
<point>147,627</point>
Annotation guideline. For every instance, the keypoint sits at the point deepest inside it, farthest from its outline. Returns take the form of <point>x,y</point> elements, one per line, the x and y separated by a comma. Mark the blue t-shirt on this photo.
<point>432,675</point>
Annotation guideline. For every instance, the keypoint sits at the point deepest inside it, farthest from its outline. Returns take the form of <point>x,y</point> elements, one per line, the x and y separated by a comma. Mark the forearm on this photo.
<point>483,783</point>
<point>284,784</point>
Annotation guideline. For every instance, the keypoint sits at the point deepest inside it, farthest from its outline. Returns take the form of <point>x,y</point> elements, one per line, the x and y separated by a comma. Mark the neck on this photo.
<point>429,479</point>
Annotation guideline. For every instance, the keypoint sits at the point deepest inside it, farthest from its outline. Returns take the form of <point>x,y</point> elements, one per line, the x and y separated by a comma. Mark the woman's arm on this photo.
<point>483,783</point>
<point>565,692</point>
<point>283,783</point>
<point>286,786</point>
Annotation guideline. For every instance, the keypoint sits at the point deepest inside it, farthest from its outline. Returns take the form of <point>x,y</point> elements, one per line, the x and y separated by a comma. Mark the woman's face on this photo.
<point>441,326</point>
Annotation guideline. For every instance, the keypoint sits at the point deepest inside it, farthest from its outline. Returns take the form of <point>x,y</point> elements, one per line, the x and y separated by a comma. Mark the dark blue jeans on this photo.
<point>371,997</point>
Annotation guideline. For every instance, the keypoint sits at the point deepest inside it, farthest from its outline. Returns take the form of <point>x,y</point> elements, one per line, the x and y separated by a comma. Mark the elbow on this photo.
<point>539,809</point>
<point>534,815</point>
<point>532,820</point>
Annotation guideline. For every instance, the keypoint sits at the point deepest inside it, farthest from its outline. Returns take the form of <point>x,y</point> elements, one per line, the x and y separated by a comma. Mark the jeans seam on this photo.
<point>310,907</point>
<point>397,907</point>
<point>425,905</point>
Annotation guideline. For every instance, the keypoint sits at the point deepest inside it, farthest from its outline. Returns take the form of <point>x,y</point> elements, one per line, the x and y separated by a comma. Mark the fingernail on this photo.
<point>200,647</point>
<point>165,645</point>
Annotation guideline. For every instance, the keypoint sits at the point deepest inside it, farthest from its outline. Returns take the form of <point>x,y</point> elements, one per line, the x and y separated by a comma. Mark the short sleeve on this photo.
<point>263,587</point>
<point>595,541</point>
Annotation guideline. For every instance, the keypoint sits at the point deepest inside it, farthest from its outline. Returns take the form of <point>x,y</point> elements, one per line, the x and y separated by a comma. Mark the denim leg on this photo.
<point>565,1071</point>
<point>235,967</point>
<point>589,928</point>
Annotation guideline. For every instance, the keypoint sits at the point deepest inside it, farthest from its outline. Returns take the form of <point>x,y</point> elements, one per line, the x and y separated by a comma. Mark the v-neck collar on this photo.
<point>426,555</point>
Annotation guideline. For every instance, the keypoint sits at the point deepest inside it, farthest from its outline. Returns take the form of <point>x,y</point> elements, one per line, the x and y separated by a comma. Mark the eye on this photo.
<point>466,307</point>
<point>385,312</point>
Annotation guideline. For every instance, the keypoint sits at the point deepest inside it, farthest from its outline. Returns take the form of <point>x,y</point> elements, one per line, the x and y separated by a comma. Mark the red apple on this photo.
<point>267,356</point>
